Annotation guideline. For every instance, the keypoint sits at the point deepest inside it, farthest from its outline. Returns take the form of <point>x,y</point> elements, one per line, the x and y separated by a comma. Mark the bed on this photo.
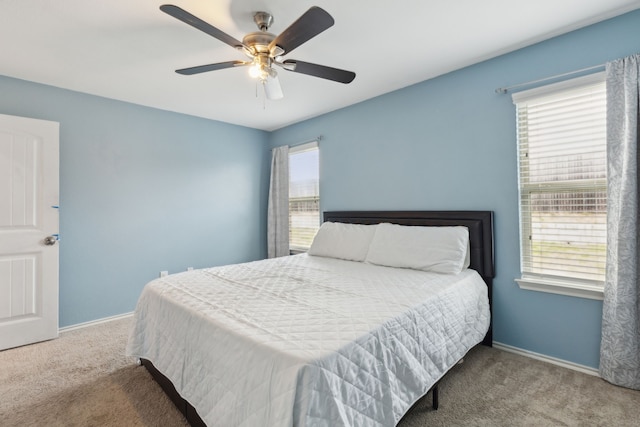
<point>313,340</point>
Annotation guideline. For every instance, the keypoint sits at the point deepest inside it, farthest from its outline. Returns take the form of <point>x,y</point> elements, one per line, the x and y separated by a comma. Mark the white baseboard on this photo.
<point>94,322</point>
<point>544,358</point>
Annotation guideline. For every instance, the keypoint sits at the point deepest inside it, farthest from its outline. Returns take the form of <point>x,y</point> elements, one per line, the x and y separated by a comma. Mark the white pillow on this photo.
<point>438,249</point>
<point>342,241</point>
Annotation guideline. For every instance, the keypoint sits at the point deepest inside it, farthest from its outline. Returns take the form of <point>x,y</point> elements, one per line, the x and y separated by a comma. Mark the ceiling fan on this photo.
<point>266,50</point>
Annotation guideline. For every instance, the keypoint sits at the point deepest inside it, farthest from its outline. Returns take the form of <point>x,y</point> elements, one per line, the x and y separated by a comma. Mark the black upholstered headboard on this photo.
<point>479,223</point>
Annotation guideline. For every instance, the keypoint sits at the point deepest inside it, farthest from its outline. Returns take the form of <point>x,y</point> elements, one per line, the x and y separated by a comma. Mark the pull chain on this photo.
<point>264,99</point>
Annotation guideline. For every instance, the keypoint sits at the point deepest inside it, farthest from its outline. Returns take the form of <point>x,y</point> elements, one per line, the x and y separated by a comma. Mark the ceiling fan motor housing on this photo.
<point>258,41</point>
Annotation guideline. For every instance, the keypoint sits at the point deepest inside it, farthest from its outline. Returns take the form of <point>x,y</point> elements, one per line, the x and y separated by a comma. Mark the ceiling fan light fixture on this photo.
<point>272,89</point>
<point>260,67</point>
<point>254,71</point>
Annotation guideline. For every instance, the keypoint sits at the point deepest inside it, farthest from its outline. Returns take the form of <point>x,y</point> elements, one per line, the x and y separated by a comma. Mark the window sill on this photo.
<point>574,289</point>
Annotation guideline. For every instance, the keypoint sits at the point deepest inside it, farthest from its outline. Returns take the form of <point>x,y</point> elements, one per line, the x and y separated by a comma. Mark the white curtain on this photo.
<point>620,345</point>
<point>278,209</point>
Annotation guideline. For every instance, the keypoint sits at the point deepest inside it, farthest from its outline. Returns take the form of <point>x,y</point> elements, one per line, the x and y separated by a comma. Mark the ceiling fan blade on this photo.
<point>272,88</point>
<point>210,67</point>
<point>310,24</point>
<point>198,23</point>
<point>322,71</point>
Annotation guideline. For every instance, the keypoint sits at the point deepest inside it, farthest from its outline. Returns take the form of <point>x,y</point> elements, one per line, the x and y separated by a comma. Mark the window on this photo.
<point>563,186</point>
<point>304,196</point>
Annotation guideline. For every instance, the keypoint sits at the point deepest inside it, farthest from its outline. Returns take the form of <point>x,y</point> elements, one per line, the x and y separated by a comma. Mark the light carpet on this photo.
<point>84,379</point>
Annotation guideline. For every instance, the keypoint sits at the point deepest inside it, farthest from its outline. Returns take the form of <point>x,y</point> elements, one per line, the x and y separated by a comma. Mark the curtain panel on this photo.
<point>278,205</point>
<point>620,345</point>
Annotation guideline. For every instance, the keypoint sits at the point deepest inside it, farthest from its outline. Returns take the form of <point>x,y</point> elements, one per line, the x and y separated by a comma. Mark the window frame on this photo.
<point>575,287</point>
<point>298,149</point>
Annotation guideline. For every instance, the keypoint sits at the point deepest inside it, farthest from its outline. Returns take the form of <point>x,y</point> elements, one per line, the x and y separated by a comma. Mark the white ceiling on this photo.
<point>128,49</point>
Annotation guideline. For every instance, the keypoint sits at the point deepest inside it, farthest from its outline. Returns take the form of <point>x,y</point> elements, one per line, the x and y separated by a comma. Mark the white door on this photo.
<point>28,216</point>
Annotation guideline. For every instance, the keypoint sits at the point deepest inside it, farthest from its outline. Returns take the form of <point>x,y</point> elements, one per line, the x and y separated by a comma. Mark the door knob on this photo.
<point>50,240</point>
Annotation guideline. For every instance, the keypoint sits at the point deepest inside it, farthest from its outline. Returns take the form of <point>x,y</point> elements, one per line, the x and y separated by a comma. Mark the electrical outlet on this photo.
<point>164,273</point>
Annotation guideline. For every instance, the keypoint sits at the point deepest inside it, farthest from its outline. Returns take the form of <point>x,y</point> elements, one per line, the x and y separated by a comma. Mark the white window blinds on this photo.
<point>304,195</point>
<point>562,167</point>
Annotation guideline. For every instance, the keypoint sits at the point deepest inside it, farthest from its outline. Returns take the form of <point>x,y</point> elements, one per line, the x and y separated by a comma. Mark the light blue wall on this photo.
<point>449,143</point>
<point>144,190</point>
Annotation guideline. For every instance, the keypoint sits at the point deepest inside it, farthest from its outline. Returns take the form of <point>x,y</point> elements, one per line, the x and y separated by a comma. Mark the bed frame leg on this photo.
<point>435,397</point>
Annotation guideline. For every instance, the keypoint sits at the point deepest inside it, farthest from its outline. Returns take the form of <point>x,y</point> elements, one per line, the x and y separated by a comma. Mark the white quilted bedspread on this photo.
<point>307,341</point>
